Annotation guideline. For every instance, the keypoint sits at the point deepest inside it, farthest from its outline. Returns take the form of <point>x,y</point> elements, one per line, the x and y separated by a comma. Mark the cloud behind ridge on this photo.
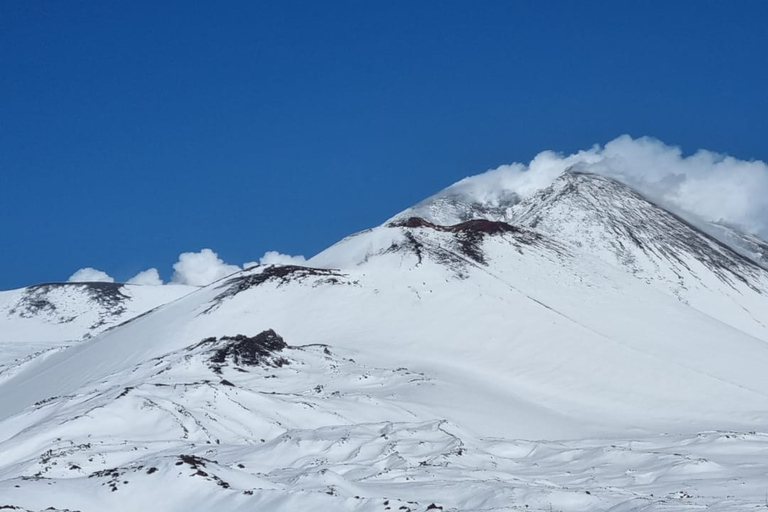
<point>200,268</point>
<point>90,275</point>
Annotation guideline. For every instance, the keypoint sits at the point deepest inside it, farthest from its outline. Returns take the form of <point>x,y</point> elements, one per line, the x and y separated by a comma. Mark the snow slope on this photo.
<point>479,365</point>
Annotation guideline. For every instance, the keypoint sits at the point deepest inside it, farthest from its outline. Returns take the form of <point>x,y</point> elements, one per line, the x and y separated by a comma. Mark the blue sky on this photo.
<point>133,131</point>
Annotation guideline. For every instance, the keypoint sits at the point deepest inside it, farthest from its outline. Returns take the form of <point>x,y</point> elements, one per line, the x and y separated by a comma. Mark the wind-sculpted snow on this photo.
<point>327,433</point>
<point>186,412</point>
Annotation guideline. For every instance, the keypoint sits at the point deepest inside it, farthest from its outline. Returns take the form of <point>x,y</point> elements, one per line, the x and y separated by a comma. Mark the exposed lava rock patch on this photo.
<point>242,350</point>
<point>197,464</point>
<point>193,461</point>
<point>490,227</point>
<point>281,274</point>
<point>469,235</point>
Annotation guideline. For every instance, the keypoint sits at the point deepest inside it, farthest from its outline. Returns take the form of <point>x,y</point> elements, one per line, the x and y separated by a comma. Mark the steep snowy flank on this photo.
<point>609,220</point>
<point>602,214</point>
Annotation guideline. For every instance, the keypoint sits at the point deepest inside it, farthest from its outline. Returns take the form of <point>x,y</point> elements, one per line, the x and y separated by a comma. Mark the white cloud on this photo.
<point>276,258</point>
<point>90,274</point>
<point>200,268</point>
<point>709,185</point>
<point>192,268</point>
<point>149,277</point>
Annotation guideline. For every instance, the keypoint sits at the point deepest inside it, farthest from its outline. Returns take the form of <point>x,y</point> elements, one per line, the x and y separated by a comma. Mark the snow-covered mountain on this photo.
<point>580,349</point>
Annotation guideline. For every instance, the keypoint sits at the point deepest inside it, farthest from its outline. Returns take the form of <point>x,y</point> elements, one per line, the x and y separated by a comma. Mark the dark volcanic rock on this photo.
<point>468,235</point>
<point>281,274</point>
<point>242,350</point>
<point>490,227</point>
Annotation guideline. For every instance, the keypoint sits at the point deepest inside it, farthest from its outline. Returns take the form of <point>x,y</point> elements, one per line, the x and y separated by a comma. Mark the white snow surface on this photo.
<point>581,350</point>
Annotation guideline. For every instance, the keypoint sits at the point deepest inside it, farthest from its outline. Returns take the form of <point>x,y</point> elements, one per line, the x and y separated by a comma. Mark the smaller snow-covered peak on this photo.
<point>49,315</point>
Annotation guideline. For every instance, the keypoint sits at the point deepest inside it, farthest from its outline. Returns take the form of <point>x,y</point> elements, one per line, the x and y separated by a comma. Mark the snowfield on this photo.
<point>581,350</point>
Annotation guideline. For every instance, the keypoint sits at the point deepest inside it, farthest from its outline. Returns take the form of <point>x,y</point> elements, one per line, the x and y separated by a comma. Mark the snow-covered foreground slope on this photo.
<point>308,428</point>
<point>427,372</point>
